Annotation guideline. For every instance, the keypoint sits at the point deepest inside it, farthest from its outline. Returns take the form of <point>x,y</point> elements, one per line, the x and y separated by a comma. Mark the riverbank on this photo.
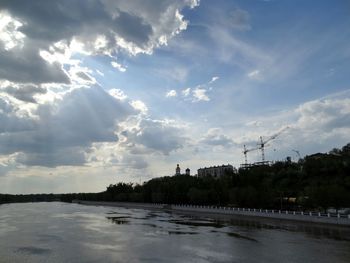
<point>227,213</point>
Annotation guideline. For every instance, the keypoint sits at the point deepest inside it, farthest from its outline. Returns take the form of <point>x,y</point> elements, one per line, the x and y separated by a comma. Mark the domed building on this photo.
<point>177,170</point>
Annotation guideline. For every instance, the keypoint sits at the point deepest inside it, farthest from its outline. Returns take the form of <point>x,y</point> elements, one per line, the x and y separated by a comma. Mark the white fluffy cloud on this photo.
<point>186,92</point>
<point>200,94</point>
<point>213,79</point>
<point>117,93</point>
<point>118,66</point>
<point>255,74</point>
<point>327,115</point>
<point>171,93</point>
<point>139,105</point>
<point>10,36</point>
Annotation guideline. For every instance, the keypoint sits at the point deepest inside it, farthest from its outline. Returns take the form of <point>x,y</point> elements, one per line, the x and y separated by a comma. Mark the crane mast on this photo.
<point>263,143</point>
<point>245,151</point>
<point>262,147</point>
<point>245,154</point>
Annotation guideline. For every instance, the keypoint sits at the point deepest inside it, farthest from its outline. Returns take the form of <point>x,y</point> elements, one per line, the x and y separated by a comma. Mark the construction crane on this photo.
<point>245,151</point>
<point>263,143</point>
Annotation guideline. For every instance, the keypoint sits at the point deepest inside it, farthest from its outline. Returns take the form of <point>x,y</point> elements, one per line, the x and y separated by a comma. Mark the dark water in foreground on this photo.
<point>59,232</point>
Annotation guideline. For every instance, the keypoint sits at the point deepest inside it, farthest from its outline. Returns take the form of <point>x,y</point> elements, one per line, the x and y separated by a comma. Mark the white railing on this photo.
<point>236,210</point>
<point>264,211</point>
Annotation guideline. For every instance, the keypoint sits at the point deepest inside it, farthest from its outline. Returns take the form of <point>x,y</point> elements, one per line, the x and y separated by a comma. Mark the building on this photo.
<point>215,171</point>
<point>247,166</point>
<point>317,156</point>
<point>177,170</point>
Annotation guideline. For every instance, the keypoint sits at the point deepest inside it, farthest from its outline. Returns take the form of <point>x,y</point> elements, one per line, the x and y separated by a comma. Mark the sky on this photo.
<point>103,91</point>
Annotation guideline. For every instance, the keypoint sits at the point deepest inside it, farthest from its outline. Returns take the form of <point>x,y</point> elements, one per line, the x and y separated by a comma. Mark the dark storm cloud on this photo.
<point>34,50</point>
<point>71,156</point>
<point>87,115</point>
<point>25,93</point>
<point>342,121</point>
<point>27,66</point>
<point>51,21</point>
<point>55,20</point>
<point>10,122</point>
<point>139,25</point>
<point>156,136</point>
<point>132,28</point>
<point>83,116</point>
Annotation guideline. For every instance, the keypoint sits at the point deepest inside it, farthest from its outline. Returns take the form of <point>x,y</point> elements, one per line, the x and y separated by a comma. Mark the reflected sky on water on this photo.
<point>60,232</point>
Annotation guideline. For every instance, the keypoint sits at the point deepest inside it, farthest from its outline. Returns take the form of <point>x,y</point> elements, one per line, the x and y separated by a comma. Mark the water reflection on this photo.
<point>119,220</point>
<point>57,232</point>
<point>181,233</point>
<point>315,231</point>
<point>33,250</point>
<point>215,224</point>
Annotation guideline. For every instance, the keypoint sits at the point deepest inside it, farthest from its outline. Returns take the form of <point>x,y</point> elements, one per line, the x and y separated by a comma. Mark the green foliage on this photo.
<point>318,181</point>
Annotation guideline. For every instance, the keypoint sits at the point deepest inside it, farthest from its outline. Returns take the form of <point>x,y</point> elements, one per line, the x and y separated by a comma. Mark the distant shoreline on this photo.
<point>224,213</point>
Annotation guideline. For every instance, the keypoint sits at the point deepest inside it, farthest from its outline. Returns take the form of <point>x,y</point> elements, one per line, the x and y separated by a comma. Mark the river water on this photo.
<point>60,232</point>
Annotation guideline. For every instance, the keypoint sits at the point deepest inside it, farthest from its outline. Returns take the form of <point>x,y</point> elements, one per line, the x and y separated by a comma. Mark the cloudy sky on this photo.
<point>100,91</point>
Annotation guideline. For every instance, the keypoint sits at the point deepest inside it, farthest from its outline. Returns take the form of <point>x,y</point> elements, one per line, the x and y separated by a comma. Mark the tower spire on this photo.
<point>177,170</point>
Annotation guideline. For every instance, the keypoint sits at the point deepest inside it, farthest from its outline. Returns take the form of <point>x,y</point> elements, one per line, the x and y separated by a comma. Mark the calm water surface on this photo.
<point>59,232</point>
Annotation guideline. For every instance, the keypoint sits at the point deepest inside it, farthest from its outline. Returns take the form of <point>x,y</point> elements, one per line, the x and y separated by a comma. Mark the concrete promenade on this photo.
<point>311,217</point>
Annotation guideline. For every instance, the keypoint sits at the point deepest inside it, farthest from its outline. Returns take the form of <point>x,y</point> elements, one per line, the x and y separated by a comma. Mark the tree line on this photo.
<point>318,181</point>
